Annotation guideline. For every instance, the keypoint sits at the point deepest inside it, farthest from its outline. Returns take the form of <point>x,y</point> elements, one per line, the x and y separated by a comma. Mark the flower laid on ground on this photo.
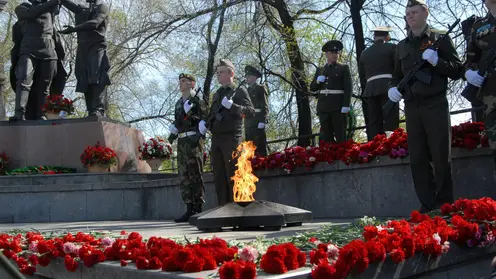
<point>4,162</point>
<point>155,148</point>
<point>98,155</point>
<point>40,170</point>
<point>467,135</point>
<point>58,103</point>
<point>467,223</point>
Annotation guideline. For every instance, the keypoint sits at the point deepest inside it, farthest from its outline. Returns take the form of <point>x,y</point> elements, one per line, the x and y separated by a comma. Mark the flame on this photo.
<point>244,179</point>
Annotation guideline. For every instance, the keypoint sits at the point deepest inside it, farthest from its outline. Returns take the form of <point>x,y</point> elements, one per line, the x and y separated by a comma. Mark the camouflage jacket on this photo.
<point>259,98</point>
<point>482,38</point>
<point>185,122</point>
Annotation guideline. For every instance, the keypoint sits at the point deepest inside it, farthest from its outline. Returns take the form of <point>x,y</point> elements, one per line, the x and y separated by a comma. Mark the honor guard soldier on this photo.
<point>480,46</point>
<point>230,104</point>
<point>376,65</point>
<point>426,108</point>
<point>255,127</point>
<point>334,87</point>
<point>190,111</point>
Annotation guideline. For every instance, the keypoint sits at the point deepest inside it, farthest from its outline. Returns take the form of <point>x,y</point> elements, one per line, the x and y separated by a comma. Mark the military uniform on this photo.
<point>482,39</point>
<point>190,151</point>
<point>92,64</point>
<point>255,127</point>
<point>427,114</point>
<point>376,64</point>
<point>334,96</point>
<point>226,128</point>
<point>36,57</point>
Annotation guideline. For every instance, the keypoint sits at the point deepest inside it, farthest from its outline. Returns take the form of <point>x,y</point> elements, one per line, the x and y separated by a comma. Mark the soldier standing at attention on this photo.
<point>427,110</point>
<point>255,127</point>
<point>230,104</point>
<point>481,40</point>
<point>377,65</point>
<point>190,110</point>
<point>334,86</point>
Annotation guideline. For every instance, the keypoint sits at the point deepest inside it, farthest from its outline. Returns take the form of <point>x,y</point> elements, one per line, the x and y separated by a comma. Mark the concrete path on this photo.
<point>164,229</point>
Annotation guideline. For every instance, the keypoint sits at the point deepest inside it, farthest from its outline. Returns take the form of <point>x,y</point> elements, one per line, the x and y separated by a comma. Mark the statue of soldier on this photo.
<point>481,41</point>
<point>190,110</point>
<point>334,86</point>
<point>92,63</point>
<point>376,65</point>
<point>427,110</point>
<point>230,104</point>
<point>255,127</point>
<point>34,57</point>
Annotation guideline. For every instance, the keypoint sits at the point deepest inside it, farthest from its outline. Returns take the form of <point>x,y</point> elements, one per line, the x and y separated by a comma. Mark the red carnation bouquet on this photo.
<point>155,148</point>
<point>57,103</point>
<point>98,155</point>
<point>4,161</point>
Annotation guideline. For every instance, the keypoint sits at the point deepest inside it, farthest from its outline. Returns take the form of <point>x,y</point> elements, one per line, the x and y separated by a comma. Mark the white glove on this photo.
<point>394,95</point>
<point>63,114</point>
<point>202,127</point>
<point>321,79</point>
<point>227,103</point>
<point>474,78</point>
<point>261,125</point>
<point>345,109</point>
<point>187,106</point>
<point>431,56</point>
<point>173,130</point>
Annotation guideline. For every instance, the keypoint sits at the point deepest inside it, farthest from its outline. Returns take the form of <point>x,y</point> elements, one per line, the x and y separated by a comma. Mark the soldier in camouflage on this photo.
<point>255,127</point>
<point>230,104</point>
<point>334,87</point>
<point>190,111</point>
<point>482,39</point>
<point>426,108</point>
<point>376,65</point>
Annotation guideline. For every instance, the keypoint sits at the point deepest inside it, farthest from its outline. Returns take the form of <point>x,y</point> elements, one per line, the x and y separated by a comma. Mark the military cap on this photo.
<point>250,70</point>
<point>412,3</point>
<point>187,76</point>
<point>227,63</point>
<point>382,29</point>
<point>333,45</point>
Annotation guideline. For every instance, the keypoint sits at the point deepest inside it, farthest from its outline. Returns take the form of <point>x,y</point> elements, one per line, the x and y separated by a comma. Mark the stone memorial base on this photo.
<point>61,142</point>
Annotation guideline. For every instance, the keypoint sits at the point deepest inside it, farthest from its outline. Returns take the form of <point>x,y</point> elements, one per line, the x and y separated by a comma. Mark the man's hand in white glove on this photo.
<point>173,129</point>
<point>474,78</point>
<point>345,109</point>
<point>261,125</point>
<point>202,127</point>
<point>431,56</point>
<point>394,95</point>
<point>321,79</point>
<point>187,106</point>
<point>227,103</point>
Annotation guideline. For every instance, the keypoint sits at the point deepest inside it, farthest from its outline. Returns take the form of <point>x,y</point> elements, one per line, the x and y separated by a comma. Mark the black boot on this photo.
<point>189,212</point>
<point>198,208</point>
<point>21,101</point>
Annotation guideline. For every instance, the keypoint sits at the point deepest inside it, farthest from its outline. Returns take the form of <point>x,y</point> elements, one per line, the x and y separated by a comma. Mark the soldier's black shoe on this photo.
<point>17,118</point>
<point>189,212</point>
<point>198,208</point>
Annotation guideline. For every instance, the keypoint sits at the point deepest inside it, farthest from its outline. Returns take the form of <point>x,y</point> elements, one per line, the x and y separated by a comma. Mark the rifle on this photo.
<point>173,137</point>
<point>471,92</point>
<point>416,73</point>
<point>217,114</point>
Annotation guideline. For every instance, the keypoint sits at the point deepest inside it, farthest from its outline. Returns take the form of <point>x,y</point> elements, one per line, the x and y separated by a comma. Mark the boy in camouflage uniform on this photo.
<point>190,110</point>
<point>482,39</point>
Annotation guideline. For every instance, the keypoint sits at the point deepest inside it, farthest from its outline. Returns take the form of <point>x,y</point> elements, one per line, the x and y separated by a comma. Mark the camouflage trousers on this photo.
<point>490,122</point>
<point>190,165</point>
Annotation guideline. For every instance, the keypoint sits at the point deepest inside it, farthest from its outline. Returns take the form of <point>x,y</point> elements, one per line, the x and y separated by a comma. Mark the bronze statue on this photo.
<point>92,63</point>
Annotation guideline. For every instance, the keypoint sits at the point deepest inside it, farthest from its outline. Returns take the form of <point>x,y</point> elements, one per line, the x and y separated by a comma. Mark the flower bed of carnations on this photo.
<point>465,223</point>
<point>466,135</point>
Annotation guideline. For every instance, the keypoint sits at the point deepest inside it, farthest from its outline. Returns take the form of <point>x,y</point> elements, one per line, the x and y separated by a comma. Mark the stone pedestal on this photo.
<point>61,142</point>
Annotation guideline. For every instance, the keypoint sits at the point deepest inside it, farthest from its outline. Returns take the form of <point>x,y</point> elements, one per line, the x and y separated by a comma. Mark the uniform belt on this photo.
<point>258,110</point>
<point>186,134</point>
<point>331,91</point>
<point>379,76</point>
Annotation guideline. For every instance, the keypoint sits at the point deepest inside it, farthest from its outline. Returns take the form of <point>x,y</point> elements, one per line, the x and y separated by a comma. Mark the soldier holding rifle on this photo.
<point>230,105</point>
<point>426,104</point>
